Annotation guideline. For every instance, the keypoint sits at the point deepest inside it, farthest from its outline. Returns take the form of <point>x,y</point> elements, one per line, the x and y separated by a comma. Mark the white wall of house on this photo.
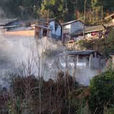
<point>54,31</point>
<point>76,26</point>
<point>73,27</point>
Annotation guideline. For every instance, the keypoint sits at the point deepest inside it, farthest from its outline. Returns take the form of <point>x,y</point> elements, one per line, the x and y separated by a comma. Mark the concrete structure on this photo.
<point>87,58</point>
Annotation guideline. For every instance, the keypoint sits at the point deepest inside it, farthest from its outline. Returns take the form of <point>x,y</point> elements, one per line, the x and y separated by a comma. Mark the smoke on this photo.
<point>21,55</point>
<point>2,13</point>
<point>41,55</point>
<point>28,56</point>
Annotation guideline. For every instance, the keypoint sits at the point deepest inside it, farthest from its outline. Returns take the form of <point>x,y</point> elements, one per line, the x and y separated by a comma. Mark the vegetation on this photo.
<point>102,92</point>
<point>63,96</point>
<point>104,45</point>
<point>60,9</point>
<point>25,99</point>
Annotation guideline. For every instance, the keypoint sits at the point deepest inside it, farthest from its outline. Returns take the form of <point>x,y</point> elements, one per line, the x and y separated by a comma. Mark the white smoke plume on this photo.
<point>2,13</point>
<point>29,56</point>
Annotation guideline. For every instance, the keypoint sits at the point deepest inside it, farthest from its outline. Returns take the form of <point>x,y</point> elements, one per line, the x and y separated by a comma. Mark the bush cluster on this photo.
<point>101,92</point>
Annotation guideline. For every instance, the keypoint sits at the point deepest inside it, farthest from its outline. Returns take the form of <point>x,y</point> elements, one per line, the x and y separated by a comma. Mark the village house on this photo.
<point>71,27</point>
<point>86,58</point>
<point>51,29</point>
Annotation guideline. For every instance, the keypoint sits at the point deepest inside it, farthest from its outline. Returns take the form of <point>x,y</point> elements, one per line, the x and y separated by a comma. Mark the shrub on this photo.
<point>23,85</point>
<point>101,92</point>
<point>51,95</point>
<point>103,45</point>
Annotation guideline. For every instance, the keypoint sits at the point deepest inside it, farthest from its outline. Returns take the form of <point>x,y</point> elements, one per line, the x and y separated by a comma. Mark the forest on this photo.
<point>61,9</point>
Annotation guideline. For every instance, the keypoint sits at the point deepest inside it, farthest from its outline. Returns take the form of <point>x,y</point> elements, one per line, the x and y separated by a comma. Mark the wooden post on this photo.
<point>90,59</point>
<point>62,36</point>
<point>36,32</point>
<point>77,58</point>
<point>112,61</point>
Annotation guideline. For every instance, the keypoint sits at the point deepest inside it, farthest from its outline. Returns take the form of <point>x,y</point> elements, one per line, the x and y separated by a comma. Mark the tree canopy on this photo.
<point>60,9</point>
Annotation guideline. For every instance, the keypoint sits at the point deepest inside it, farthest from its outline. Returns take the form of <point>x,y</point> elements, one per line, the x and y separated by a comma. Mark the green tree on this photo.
<point>108,5</point>
<point>56,8</point>
<point>61,9</point>
<point>101,92</point>
<point>97,11</point>
<point>64,9</point>
<point>21,8</point>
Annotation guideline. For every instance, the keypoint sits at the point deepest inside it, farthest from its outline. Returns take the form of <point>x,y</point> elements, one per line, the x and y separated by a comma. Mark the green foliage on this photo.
<point>14,106</point>
<point>108,5</point>
<point>21,8</point>
<point>104,45</point>
<point>85,44</point>
<point>110,111</point>
<point>101,92</point>
<point>61,9</point>
<point>78,100</point>
<point>56,8</point>
<point>110,42</point>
